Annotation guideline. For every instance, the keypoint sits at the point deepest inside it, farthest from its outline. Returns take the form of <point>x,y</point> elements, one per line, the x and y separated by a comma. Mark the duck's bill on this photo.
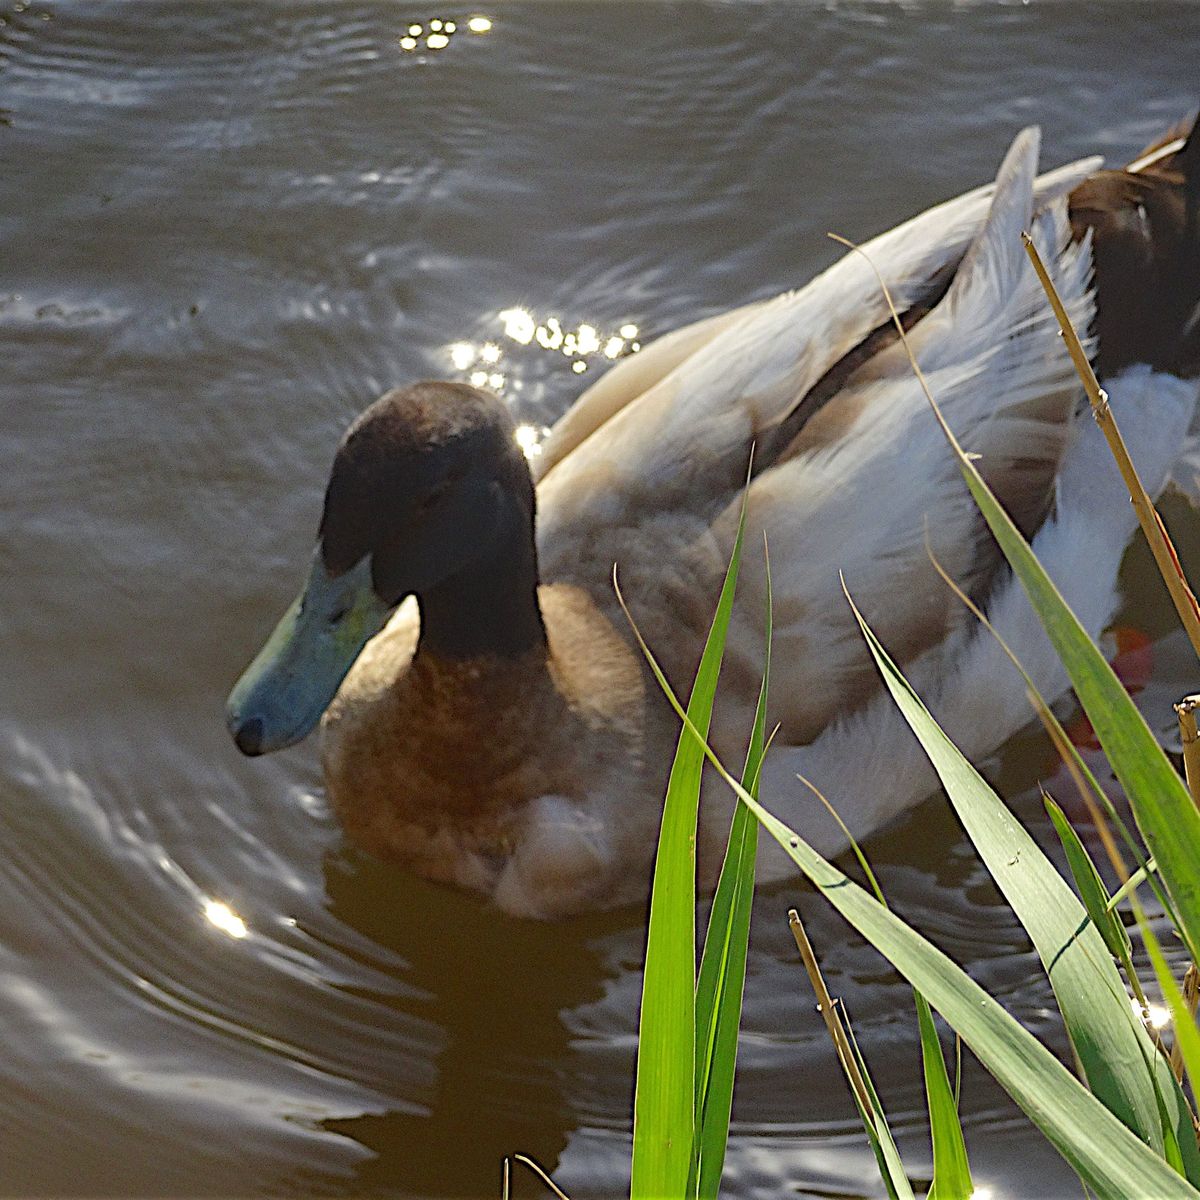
<point>281,695</point>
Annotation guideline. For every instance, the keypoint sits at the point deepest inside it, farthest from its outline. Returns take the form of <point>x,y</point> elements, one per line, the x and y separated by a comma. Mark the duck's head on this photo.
<point>429,496</point>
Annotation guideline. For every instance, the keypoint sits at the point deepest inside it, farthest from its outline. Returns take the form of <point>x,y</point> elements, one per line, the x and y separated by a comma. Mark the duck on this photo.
<point>487,719</point>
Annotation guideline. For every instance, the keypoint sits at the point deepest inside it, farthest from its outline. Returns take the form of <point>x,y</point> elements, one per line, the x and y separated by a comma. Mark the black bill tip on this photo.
<point>248,737</point>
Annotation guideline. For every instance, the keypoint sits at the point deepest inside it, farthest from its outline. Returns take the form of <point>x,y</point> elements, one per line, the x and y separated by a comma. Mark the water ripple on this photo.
<point>228,228</point>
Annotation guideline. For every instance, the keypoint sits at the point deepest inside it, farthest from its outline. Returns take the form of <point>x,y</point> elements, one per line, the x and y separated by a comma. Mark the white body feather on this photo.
<point>645,471</point>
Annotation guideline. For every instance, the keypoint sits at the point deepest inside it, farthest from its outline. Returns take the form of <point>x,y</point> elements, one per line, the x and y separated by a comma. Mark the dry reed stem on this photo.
<point>1171,570</point>
<point>530,1165</point>
<point>1058,738</point>
<point>1160,545</point>
<point>1156,535</point>
<point>826,1005</point>
<point>1051,726</point>
<point>1093,809</point>
<point>1189,611</point>
<point>1191,994</point>
<point>1186,710</point>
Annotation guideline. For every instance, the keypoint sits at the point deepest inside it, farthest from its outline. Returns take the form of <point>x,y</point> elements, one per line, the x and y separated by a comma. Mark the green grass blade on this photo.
<point>1162,808</point>
<point>951,1171</point>
<point>1118,1058</point>
<point>1135,881</point>
<point>1114,1162</point>
<point>665,1091</point>
<point>1184,1023</point>
<point>722,974</point>
<point>887,1155</point>
<point>1109,1159</point>
<point>1090,886</point>
<point>879,1132</point>
<point>1090,788</point>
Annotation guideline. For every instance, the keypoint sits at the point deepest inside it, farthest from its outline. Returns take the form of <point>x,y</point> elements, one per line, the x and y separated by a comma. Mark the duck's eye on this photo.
<point>338,615</point>
<point>431,499</point>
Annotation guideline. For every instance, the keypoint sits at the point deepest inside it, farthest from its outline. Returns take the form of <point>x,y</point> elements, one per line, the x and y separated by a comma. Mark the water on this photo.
<point>225,229</point>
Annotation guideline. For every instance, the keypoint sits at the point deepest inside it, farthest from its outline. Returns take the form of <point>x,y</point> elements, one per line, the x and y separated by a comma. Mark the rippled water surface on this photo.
<point>225,228</point>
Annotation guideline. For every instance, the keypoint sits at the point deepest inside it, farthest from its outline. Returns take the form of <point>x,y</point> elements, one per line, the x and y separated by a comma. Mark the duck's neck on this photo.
<point>489,609</point>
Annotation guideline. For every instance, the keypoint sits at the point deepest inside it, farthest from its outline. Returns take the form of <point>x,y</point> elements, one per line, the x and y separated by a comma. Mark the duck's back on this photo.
<point>850,468</point>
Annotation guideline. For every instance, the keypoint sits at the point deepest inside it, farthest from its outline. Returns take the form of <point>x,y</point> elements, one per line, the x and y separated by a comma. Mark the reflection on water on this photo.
<point>226,229</point>
<point>523,328</point>
<point>222,917</point>
<point>503,368</point>
<point>497,987</point>
<point>529,438</point>
<point>438,33</point>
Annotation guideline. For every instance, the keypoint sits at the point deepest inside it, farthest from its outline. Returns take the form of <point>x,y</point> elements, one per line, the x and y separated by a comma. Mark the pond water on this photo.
<point>225,229</point>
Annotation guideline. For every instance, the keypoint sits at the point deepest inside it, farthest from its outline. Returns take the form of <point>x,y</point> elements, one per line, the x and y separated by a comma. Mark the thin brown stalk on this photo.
<point>826,1006</point>
<point>912,358</point>
<point>1051,726</point>
<point>1156,535</point>
<point>1059,742</point>
<point>529,1164</point>
<point>1160,542</point>
<point>1097,817</point>
<point>1191,995</point>
<point>1093,808</point>
<point>1171,570</point>
<point>851,840</point>
<point>1186,711</point>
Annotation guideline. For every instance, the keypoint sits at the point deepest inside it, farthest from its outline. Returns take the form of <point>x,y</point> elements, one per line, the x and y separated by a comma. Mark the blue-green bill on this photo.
<point>283,692</point>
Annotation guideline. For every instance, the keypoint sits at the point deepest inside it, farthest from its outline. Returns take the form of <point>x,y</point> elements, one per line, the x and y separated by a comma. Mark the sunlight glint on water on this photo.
<point>582,346</point>
<point>222,917</point>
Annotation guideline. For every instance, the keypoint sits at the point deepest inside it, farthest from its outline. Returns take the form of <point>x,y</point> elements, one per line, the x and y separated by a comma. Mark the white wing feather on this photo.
<point>869,765</point>
<point>714,385</point>
<point>864,505</point>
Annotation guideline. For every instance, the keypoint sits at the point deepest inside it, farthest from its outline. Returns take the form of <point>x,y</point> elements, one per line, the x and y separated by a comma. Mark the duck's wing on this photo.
<point>723,382</point>
<point>869,488</point>
<point>630,378</point>
<point>868,764</point>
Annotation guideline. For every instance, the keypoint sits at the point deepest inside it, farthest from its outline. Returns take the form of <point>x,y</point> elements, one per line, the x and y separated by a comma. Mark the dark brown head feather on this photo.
<point>430,484</point>
<point>403,454</point>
